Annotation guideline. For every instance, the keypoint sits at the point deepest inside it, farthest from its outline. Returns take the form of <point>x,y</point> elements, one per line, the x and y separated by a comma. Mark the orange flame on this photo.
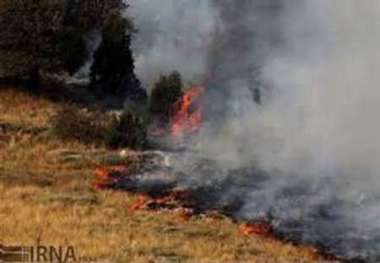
<point>257,228</point>
<point>107,177</point>
<point>187,113</point>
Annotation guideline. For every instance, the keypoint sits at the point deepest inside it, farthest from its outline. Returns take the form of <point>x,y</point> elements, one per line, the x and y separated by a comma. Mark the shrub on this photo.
<point>96,128</point>
<point>166,91</point>
<point>127,131</point>
<point>71,123</point>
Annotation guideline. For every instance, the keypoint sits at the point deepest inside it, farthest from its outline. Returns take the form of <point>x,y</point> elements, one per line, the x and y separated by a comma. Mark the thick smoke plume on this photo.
<point>315,134</point>
<point>172,35</point>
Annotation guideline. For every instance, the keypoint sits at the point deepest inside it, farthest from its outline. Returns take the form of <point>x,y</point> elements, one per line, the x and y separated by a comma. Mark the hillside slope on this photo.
<point>49,201</point>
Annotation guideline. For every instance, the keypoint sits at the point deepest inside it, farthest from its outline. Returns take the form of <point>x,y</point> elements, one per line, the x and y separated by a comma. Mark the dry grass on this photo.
<point>100,226</point>
<point>49,201</point>
<point>19,107</point>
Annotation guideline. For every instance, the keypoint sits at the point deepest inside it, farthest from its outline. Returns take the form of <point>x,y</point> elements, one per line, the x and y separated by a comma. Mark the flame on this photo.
<point>170,200</point>
<point>187,114</point>
<point>257,228</point>
<point>141,202</point>
<point>108,177</point>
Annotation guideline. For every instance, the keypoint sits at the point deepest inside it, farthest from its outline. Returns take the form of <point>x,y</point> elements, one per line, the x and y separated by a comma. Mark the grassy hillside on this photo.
<point>49,201</point>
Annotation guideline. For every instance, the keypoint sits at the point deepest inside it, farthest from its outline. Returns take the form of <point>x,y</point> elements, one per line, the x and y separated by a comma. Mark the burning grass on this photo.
<point>114,177</point>
<point>185,204</point>
<point>187,113</point>
<point>259,228</point>
<point>89,220</point>
<point>49,200</point>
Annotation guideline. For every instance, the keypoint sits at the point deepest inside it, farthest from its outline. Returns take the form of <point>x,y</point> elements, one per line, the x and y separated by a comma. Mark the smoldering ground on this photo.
<point>315,134</point>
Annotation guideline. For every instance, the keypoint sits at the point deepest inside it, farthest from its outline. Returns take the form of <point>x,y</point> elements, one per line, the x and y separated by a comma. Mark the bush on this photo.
<point>100,129</point>
<point>71,123</point>
<point>127,131</point>
<point>166,91</point>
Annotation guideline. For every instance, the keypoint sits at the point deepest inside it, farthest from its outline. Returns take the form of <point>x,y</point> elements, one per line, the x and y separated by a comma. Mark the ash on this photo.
<point>304,210</point>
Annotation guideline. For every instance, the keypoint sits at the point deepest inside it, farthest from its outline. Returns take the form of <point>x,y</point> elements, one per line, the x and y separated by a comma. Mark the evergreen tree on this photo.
<point>166,91</point>
<point>113,68</point>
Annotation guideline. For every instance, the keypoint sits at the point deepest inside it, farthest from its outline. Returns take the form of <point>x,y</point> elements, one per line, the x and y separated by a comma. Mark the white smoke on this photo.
<point>172,35</point>
<point>325,77</point>
<point>93,40</point>
<point>317,127</point>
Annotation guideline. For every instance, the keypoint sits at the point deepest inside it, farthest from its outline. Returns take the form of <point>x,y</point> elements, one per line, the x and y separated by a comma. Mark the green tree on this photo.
<point>90,14</point>
<point>113,68</point>
<point>47,35</point>
<point>167,90</point>
<point>80,18</point>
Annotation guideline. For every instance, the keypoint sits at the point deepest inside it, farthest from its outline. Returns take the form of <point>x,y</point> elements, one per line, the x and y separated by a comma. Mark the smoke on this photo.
<point>324,77</point>
<point>93,39</point>
<point>173,35</point>
<point>315,133</point>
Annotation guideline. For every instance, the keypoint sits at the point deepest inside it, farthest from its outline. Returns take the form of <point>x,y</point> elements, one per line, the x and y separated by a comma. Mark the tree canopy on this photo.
<point>167,90</point>
<point>113,68</point>
<point>29,33</point>
<point>47,35</point>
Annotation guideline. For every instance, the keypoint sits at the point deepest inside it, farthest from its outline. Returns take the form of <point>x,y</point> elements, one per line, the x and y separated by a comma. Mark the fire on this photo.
<point>141,202</point>
<point>257,228</point>
<point>113,177</point>
<point>187,114</point>
<point>171,200</point>
<point>109,177</point>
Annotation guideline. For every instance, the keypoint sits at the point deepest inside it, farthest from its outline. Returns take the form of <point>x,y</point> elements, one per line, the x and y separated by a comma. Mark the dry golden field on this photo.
<point>49,201</point>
